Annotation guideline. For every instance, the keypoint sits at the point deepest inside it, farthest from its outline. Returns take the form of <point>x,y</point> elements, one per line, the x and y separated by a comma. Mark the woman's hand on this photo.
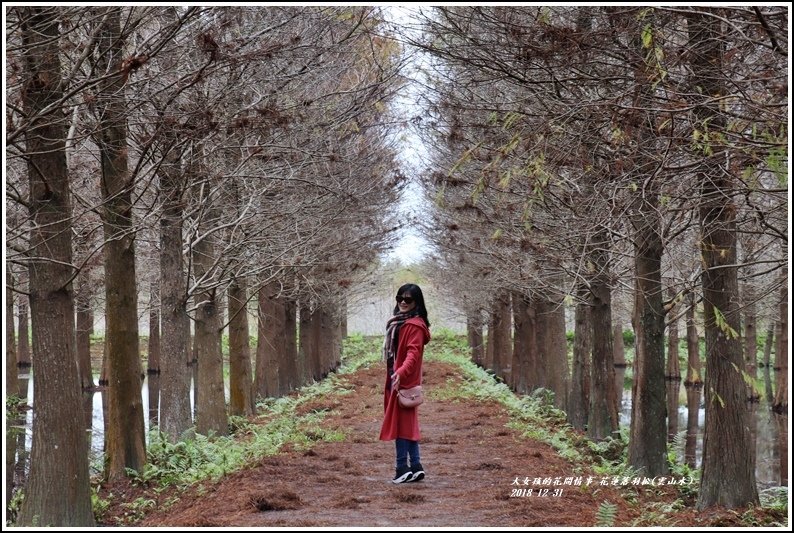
<point>395,381</point>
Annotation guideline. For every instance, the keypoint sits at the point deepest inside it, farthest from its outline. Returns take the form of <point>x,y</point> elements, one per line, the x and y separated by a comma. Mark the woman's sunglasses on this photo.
<point>406,299</point>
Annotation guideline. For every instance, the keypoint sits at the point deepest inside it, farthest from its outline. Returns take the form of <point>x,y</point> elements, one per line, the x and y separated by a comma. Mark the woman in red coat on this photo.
<point>407,332</point>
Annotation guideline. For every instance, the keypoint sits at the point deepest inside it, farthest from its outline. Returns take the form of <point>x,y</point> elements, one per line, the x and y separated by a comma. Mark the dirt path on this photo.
<point>471,458</point>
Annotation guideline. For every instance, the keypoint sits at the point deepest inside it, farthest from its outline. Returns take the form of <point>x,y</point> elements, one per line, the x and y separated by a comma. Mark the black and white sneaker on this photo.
<point>417,472</point>
<point>402,475</point>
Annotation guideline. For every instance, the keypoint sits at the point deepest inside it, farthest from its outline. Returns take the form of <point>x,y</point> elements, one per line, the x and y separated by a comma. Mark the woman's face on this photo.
<point>405,302</point>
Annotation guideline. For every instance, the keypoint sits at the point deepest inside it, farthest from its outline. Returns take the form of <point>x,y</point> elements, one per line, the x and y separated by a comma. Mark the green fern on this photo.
<point>605,516</point>
<point>677,448</point>
<point>775,498</point>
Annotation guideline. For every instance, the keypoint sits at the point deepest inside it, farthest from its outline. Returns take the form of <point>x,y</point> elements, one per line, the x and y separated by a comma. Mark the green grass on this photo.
<point>207,458</point>
<point>211,457</point>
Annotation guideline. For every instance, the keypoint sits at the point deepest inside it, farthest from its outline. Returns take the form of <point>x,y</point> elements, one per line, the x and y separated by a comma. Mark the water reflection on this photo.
<point>781,445</point>
<point>673,386</point>
<point>16,452</point>
<point>154,399</point>
<point>768,442</point>
<point>771,430</point>
<point>620,375</point>
<point>693,393</point>
<point>94,410</point>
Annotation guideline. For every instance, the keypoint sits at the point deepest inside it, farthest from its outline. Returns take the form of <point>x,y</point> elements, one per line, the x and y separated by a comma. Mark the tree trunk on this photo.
<point>520,346</point>
<point>750,340</point>
<point>475,337</point>
<point>194,368</point>
<point>488,361</point>
<point>770,337</point>
<point>781,353</point>
<point>271,341</point>
<point>126,437</point>
<point>313,331</point>
<point>582,354</point>
<point>728,476</point>
<point>619,349</point>
<point>554,350</point>
<point>83,331</point>
<point>502,344</point>
<point>692,423</point>
<point>694,372</point>
<point>175,355</point>
<point>603,415</point>
<point>343,319</point>
<point>293,380</point>
<point>241,397</point>
<point>781,421</point>
<point>211,402</point>
<point>153,350</point>
<point>104,372</point>
<point>58,492</point>
<point>153,381</point>
<point>23,339</point>
<point>672,377</point>
<point>647,443</point>
<point>324,340</point>
<point>11,345</point>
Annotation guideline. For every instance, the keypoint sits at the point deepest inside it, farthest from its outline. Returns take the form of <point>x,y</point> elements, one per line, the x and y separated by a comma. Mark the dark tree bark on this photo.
<point>474,334</point>
<point>582,354</point>
<point>672,377</point>
<point>271,341</point>
<point>553,349</point>
<point>11,344</point>
<point>312,337</point>
<point>619,349</point>
<point>603,415</point>
<point>175,411</point>
<point>694,372</point>
<point>104,372</point>
<point>211,415</point>
<point>502,343</point>
<point>728,476</point>
<point>488,360</point>
<point>781,352</point>
<point>521,346</point>
<point>58,492</point>
<point>153,350</point>
<point>781,421</point>
<point>324,340</point>
<point>23,338</point>
<point>193,364</point>
<point>647,435</point>
<point>126,438</point>
<point>241,397</point>
<point>294,376</point>
<point>770,337</point>
<point>750,339</point>
<point>693,409</point>
<point>343,317</point>
<point>85,325</point>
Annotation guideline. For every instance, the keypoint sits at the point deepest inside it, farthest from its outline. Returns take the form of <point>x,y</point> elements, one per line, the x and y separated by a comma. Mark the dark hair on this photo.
<point>416,293</point>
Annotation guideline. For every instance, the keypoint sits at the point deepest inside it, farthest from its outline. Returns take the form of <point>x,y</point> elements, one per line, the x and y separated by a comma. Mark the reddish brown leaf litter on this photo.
<point>471,458</point>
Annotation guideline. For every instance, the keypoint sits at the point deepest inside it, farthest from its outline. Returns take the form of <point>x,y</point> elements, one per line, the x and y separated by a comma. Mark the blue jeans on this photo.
<point>405,448</point>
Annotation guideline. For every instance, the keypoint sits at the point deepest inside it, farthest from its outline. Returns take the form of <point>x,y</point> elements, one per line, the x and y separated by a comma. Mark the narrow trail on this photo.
<point>471,457</point>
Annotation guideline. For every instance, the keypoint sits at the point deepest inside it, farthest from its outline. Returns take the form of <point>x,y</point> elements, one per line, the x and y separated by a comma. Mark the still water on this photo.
<point>769,434</point>
<point>770,431</point>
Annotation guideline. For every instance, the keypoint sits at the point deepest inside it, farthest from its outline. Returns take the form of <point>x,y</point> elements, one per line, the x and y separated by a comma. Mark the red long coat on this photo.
<point>399,422</point>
